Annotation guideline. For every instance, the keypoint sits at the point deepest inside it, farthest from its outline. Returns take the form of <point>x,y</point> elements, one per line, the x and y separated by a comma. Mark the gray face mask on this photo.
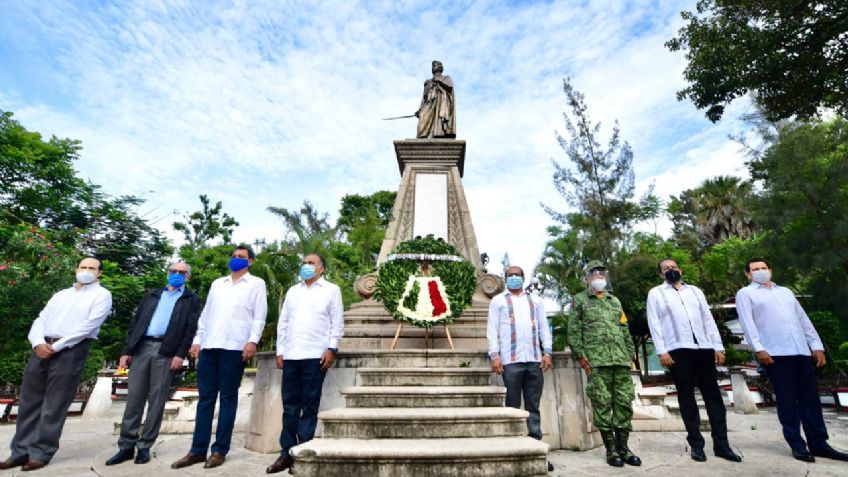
<point>598,284</point>
<point>761,276</point>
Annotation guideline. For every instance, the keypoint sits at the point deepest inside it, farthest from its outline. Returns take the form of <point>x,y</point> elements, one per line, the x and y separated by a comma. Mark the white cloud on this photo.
<point>272,103</point>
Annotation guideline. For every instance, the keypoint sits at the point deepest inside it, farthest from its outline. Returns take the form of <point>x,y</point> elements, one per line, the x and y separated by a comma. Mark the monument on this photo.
<point>428,407</point>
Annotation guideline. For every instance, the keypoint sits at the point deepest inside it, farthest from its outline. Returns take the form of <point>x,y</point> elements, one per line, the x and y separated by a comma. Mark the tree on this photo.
<point>207,224</point>
<point>720,208</point>
<point>363,221</point>
<point>793,55</point>
<point>561,267</point>
<point>600,187</point>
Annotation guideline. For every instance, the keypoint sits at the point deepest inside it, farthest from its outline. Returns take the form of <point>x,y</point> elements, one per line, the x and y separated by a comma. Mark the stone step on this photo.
<point>470,457</point>
<point>424,396</point>
<point>424,376</point>
<point>437,422</point>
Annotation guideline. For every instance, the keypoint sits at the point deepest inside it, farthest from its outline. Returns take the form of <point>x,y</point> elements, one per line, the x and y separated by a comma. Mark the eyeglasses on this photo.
<point>181,272</point>
<point>514,275</point>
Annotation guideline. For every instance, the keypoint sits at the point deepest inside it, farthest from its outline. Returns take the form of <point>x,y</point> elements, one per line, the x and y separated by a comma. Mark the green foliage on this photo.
<point>792,54</point>
<point>12,366</point>
<point>459,278</point>
<point>735,357</point>
<point>93,364</point>
<point>205,225</point>
<point>723,266</point>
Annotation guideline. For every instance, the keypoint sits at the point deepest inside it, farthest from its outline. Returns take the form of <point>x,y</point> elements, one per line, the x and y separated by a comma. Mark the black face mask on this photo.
<point>672,275</point>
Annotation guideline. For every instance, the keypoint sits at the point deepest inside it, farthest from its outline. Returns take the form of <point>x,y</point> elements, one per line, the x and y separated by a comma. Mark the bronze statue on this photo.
<point>437,113</point>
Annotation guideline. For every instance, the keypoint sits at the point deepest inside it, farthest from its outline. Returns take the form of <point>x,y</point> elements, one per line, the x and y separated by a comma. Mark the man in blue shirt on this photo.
<point>157,341</point>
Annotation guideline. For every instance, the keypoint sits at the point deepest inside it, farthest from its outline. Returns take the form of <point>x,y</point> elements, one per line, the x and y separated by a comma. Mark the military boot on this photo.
<point>621,436</point>
<point>613,458</point>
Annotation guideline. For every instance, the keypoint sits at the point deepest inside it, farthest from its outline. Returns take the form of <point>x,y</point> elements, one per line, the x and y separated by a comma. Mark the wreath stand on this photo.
<point>426,336</point>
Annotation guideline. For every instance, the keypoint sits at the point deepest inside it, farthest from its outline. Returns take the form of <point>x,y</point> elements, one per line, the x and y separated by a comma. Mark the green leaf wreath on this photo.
<point>459,278</point>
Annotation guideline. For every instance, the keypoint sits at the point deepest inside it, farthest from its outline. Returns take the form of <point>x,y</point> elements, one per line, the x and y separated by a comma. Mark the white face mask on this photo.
<point>761,276</point>
<point>598,284</point>
<point>86,276</point>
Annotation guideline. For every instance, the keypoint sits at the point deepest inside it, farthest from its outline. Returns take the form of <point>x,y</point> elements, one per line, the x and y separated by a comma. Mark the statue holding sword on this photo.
<point>437,113</point>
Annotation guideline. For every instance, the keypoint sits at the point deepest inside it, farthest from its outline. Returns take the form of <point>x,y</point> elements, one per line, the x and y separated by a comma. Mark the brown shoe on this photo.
<point>282,463</point>
<point>33,465</point>
<point>189,459</point>
<point>10,462</point>
<point>214,460</point>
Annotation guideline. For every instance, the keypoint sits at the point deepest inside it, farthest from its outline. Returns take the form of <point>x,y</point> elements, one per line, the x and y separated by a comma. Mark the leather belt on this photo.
<point>50,341</point>
<point>157,339</point>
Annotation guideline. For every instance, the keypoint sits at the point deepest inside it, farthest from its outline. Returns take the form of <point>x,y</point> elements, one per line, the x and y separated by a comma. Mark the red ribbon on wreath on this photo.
<point>439,306</point>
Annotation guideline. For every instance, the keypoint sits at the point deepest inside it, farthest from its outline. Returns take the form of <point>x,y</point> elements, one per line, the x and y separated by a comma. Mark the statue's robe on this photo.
<point>437,114</point>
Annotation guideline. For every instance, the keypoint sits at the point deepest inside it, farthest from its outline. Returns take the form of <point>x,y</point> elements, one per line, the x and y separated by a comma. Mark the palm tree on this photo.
<point>722,207</point>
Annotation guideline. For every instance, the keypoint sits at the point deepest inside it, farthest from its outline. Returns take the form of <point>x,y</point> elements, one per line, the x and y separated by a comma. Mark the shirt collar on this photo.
<point>671,285</point>
<point>320,282</point>
<point>180,289</point>
<point>757,286</point>
<point>86,287</point>
<point>245,277</point>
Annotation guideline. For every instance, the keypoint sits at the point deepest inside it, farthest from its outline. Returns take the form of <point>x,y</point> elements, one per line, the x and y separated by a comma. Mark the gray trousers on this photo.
<point>48,389</point>
<point>149,381</point>
<point>525,379</point>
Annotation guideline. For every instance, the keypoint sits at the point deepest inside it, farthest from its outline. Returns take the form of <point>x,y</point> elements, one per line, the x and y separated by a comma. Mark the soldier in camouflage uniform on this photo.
<point>600,341</point>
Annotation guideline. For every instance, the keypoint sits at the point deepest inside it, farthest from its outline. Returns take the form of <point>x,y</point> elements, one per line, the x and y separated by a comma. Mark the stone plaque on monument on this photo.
<point>431,206</point>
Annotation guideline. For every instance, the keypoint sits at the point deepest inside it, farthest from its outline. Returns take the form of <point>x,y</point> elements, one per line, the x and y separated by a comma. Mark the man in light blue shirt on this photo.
<point>781,334</point>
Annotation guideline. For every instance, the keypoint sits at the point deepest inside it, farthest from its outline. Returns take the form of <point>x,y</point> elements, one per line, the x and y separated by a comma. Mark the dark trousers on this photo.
<point>301,390</point>
<point>149,382</point>
<point>219,371</point>
<point>798,401</point>
<point>525,379</point>
<point>696,367</point>
<point>48,389</point>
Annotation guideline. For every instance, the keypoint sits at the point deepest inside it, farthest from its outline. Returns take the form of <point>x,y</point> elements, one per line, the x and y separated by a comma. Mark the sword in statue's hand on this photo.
<point>402,117</point>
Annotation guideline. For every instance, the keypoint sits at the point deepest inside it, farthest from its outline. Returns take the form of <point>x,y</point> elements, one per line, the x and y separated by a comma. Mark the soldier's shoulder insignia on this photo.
<point>623,319</point>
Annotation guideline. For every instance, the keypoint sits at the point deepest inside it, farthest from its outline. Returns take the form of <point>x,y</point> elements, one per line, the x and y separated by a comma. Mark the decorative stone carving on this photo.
<point>490,284</point>
<point>366,285</point>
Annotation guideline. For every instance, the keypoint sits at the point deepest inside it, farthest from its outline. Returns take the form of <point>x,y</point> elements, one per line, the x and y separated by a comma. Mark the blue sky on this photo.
<point>260,103</point>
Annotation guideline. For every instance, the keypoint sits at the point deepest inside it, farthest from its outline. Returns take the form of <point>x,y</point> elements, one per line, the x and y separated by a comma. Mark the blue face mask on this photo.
<point>514,282</point>
<point>307,271</point>
<point>176,280</point>
<point>237,264</point>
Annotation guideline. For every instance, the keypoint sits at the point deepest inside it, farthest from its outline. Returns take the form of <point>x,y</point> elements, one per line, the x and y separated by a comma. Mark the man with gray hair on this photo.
<point>158,339</point>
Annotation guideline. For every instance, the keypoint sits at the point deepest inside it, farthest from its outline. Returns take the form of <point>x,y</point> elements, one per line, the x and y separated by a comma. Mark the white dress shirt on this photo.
<point>773,321</point>
<point>679,317</point>
<point>234,313</point>
<point>311,320</point>
<point>73,314</point>
<point>499,329</point>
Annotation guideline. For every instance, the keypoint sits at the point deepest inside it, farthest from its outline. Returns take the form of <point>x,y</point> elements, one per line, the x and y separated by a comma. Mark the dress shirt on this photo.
<point>774,321</point>
<point>679,317</point>
<point>311,320</point>
<point>73,314</point>
<point>234,313</point>
<point>162,315</point>
<point>499,329</point>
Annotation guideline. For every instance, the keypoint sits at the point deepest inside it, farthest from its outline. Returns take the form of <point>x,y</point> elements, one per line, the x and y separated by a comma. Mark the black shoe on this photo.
<point>123,455</point>
<point>830,453</point>
<point>803,455</point>
<point>698,455</point>
<point>550,467</point>
<point>143,456</point>
<point>728,454</point>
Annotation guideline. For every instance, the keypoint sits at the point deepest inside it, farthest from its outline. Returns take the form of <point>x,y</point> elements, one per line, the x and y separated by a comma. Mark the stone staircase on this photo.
<point>420,422</point>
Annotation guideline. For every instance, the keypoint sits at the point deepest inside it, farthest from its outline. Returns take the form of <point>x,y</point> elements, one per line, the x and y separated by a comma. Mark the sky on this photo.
<point>270,103</point>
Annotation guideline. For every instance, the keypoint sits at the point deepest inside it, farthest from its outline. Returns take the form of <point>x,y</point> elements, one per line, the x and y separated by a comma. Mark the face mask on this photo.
<point>86,276</point>
<point>761,276</point>
<point>514,282</point>
<point>598,284</point>
<point>307,271</point>
<point>237,264</point>
<point>672,275</point>
<point>176,280</point>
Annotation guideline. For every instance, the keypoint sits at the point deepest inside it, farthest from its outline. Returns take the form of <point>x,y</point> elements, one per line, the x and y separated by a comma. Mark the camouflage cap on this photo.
<point>594,265</point>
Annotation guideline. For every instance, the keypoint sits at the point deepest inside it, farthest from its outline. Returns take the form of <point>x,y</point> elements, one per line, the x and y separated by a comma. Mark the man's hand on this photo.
<point>497,366</point>
<point>44,351</point>
<point>327,360</point>
<point>666,361</point>
<point>176,363</point>
<point>547,363</point>
<point>764,358</point>
<point>719,358</point>
<point>280,362</point>
<point>194,351</point>
<point>584,363</point>
<point>820,359</point>
<point>249,351</point>
<point>124,362</point>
